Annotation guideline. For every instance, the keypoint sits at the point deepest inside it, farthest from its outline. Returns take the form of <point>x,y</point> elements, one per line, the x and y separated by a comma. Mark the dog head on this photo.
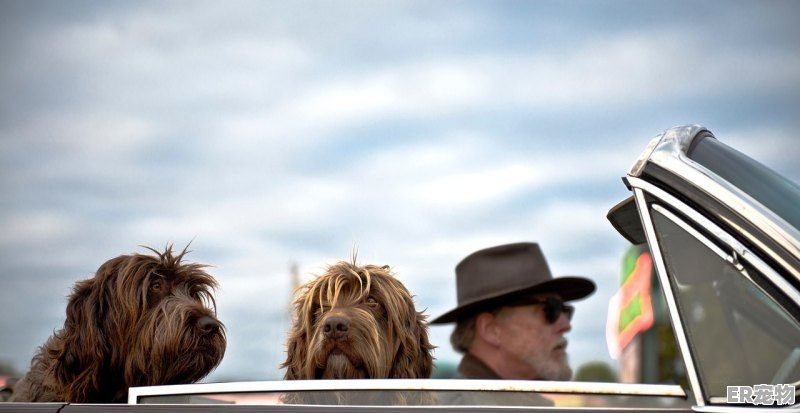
<point>142,320</point>
<point>357,322</point>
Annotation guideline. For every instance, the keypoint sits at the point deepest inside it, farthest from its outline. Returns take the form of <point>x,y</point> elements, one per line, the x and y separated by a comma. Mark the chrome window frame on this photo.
<point>737,251</point>
<point>737,248</point>
<point>669,151</point>
<point>669,296</point>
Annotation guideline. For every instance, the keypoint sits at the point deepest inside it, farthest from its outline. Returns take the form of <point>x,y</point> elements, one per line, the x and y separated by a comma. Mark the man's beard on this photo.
<point>558,370</point>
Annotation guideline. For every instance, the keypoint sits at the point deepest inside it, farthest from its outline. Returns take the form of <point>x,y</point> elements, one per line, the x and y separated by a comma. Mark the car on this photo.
<point>723,235</point>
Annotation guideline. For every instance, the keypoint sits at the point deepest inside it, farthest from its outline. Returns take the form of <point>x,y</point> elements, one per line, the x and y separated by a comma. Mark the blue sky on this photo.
<point>269,133</point>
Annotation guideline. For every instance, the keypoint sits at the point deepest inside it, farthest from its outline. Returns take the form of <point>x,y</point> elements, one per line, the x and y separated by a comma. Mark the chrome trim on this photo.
<point>676,141</point>
<point>737,247</point>
<point>670,154</point>
<point>134,393</point>
<point>743,409</point>
<point>694,233</point>
<point>669,295</point>
<point>638,166</point>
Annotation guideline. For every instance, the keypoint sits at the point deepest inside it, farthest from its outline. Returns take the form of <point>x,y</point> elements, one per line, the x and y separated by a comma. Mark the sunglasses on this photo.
<point>553,307</point>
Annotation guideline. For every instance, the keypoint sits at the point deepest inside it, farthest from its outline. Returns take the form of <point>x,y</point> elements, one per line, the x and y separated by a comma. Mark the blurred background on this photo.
<point>279,137</point>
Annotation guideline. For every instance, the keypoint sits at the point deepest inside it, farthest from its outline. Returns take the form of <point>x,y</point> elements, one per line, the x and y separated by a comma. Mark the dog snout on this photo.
<point>207,324</point>
<point>336,327</point>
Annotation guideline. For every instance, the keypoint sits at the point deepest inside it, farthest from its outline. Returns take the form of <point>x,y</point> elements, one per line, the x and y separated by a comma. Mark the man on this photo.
<point>511,317</point>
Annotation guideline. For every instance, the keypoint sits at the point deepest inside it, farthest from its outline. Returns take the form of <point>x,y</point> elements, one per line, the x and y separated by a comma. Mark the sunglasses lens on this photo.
<point>553,308</point>
<point>569,310</point>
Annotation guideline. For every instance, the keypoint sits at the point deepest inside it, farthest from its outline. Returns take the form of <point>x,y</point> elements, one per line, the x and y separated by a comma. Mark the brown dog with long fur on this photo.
<point>357,322</point>
<point>142,320</point>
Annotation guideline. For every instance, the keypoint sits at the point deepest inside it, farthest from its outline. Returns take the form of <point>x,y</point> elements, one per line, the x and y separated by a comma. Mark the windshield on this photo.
<point>738,333</point>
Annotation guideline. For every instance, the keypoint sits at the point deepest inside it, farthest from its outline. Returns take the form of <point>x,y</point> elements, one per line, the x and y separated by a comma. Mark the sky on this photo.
<point>274,134</point>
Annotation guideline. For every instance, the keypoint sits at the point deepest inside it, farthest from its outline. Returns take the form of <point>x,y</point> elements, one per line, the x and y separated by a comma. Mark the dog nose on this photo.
<point>336,327</point>
<point>207,324</point>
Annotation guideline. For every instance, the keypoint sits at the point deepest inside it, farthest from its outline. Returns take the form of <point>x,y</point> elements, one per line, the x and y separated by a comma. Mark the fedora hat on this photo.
<point>505,274</point>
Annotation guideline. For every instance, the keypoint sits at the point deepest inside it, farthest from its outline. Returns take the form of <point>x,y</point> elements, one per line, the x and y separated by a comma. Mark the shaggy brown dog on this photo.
<point>141,321</point>
<point>357,322</point>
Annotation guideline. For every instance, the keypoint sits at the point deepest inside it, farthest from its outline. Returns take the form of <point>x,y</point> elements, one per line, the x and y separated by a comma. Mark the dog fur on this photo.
<point>357,322</point>
<point>143,320</point>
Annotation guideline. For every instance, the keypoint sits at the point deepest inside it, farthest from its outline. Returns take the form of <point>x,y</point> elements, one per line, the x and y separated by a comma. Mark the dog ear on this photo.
<point>77,349</point>
<point>414,359</point>
<point>295,355</point>
<point>297,343</point>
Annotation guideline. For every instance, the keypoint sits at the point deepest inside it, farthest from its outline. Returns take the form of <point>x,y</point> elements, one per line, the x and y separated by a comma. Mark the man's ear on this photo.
<point>487,329</point>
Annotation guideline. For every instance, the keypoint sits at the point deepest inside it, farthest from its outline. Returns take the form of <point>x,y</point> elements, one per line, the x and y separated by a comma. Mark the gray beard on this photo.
<point>556,372</point>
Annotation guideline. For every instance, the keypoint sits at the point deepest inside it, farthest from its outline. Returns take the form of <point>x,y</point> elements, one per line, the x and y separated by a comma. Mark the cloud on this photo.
<point>273,135</point>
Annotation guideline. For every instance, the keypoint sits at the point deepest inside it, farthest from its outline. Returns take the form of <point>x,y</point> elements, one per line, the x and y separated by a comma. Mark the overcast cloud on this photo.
<point>272,133</point>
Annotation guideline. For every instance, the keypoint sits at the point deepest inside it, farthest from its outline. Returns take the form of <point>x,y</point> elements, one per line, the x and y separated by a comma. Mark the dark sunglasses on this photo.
<point>553,307</point>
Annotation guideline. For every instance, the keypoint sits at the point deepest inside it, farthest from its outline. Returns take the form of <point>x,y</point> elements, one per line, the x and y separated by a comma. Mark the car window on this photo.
<point>738,334</point>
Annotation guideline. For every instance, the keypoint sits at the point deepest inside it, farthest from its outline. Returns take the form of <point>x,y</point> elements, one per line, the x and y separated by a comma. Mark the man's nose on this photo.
<point>563,323</point>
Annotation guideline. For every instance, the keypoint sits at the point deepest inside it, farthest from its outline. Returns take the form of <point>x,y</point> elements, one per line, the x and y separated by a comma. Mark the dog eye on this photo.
<point>155,286</point>
<point>372,301</point>
<point>316,313</point>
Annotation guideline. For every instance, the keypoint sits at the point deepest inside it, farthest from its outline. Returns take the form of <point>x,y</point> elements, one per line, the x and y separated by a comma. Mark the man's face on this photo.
<point>536,345</point>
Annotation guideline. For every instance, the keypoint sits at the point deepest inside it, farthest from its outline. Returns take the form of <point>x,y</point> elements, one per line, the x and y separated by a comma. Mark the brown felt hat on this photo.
<point>507,274</point>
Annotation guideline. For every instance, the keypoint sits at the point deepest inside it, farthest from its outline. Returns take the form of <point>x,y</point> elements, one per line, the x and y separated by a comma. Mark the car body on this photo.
<point>723,233</point>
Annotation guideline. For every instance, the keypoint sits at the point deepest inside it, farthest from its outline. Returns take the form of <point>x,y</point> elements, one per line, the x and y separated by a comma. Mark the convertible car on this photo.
<point>723,235</point>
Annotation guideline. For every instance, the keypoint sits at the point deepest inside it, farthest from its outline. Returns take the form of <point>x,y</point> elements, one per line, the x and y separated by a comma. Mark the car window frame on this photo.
<point>646,194</point>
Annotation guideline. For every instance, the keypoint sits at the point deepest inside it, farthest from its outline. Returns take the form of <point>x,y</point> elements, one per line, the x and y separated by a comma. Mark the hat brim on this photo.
<point>570,288</point>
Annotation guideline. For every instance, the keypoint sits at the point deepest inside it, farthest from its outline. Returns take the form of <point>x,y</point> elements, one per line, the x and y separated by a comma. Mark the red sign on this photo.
<point>631,309</point>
